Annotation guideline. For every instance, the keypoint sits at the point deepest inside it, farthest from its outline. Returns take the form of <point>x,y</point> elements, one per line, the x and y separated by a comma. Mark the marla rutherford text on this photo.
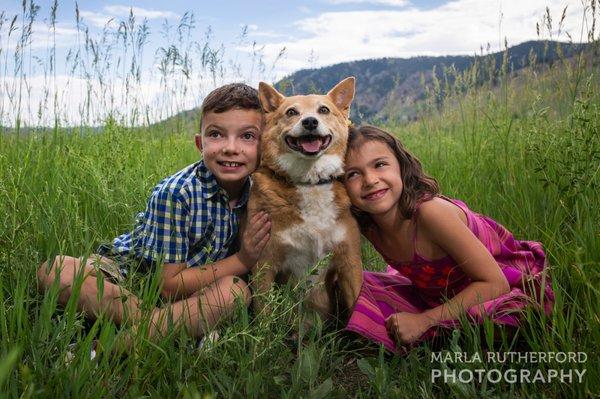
<point>509,357</point>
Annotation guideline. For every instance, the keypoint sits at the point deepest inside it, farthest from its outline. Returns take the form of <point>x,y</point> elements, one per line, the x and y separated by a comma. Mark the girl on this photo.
<point>443,259</point>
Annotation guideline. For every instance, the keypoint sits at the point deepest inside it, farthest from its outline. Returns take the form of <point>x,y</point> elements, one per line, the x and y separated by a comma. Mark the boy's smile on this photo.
<point>229,145</point>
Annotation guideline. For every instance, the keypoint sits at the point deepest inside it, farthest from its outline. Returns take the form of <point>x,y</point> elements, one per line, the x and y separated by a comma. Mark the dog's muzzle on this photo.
<point>310,141</point>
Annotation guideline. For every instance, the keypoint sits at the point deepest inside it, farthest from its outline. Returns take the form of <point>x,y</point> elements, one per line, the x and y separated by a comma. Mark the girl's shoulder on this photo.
<point>438,210</point>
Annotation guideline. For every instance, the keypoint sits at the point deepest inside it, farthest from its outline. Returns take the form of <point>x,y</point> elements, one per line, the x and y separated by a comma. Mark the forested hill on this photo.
<point>395,85</point>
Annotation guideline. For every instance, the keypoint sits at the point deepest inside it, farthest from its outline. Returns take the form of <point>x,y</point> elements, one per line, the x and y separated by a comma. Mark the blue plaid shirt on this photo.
<point>187,220</point>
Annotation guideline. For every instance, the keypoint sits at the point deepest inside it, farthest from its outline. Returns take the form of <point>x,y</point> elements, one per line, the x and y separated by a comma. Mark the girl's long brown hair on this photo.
<point>417,186</point>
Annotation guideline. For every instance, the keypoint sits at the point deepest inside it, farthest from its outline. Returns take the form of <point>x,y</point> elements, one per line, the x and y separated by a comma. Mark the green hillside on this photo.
<point>393,87</point>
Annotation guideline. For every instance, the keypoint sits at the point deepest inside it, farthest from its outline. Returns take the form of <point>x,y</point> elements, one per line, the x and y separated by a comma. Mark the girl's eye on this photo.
<point>248,136</point>
<point>350,175</point>
<point>380,164</point>
<point>323,109</point>
<point>291,112</point>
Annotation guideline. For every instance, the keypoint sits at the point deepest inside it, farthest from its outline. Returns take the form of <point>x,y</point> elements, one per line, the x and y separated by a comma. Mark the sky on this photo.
<point>285,36</point>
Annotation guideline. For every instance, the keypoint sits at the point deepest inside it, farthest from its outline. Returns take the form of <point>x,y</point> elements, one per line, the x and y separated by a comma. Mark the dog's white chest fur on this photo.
<point>318,232</point>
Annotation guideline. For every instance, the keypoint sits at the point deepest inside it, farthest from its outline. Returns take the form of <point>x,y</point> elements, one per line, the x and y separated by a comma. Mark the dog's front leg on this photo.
<point>263,277</point>
<point>350,280</point>
<point>321,297</point>
<point>347,263</point>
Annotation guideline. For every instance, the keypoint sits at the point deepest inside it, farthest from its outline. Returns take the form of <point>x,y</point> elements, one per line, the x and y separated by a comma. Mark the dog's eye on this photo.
<point>323,109</point>
<point>291,112</point>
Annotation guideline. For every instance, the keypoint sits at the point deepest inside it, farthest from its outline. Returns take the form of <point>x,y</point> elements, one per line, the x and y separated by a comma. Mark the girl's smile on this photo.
<point>374,196</point>
<point>372,179</point>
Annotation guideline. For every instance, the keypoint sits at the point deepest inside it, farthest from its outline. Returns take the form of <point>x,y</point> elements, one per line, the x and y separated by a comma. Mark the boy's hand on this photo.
<point>406,327</point>
<point>254,239</point>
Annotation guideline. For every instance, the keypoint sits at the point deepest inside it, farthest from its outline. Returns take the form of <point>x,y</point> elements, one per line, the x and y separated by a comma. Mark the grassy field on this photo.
<point>525,151</point>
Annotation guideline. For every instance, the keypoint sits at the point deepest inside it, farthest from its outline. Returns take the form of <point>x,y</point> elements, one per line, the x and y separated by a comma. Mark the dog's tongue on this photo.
<point>310,144</point>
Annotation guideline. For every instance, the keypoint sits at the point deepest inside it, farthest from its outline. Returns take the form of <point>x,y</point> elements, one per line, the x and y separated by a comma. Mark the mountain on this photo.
<point>392,87</point>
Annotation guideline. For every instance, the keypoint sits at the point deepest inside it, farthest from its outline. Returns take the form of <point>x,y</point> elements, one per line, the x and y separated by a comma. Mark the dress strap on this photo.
<point>414,237</point>
<point>414,220</point>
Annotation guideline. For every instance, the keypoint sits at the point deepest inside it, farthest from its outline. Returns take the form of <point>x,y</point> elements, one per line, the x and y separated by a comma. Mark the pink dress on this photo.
<point>424,284</point>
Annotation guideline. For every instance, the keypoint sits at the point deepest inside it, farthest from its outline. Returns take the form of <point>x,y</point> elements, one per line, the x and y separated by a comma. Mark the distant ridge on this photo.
<point>387,84</point>
<point>387,88</point>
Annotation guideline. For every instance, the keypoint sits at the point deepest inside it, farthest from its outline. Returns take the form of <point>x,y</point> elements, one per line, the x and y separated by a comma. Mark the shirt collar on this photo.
<point>209,183</point>
<point>211,186</point>
<point>245,193</point>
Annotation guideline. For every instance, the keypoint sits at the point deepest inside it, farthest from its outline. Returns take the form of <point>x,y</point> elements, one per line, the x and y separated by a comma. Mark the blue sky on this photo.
<point>313,34</point>
<point>323,32</point>
<point>225,16</point>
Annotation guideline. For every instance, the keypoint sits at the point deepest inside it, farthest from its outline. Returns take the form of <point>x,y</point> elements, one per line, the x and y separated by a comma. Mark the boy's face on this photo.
<point>229,144</point>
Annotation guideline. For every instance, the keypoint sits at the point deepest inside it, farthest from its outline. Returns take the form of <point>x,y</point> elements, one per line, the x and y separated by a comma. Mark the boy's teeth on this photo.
<point>231,164</point>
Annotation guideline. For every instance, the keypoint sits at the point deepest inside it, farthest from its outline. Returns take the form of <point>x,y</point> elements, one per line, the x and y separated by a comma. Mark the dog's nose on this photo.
<point>310,123</point>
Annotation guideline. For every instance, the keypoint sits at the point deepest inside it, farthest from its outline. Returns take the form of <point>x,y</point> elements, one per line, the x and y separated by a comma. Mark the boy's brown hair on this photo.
<point>231,96</point>
<point>417,186</point>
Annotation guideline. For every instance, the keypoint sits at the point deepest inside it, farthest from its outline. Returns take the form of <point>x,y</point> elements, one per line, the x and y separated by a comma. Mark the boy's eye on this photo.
<point>291,112</point>
<point>248,136</point>
<point>323,110</point>
<point>214,134</point>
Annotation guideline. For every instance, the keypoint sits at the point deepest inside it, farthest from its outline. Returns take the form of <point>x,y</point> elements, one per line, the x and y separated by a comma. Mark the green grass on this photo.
<point>525,152</point>
<point>63,192</point>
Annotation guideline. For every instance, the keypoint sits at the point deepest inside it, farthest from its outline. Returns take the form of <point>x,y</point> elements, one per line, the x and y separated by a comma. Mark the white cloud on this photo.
<point>458,27</point>
<point>121,12</point>
<point>253,30</point>
<point>43,36</point>
<point>395,3</point>
<point>268,33</point>
<point>96,19</point>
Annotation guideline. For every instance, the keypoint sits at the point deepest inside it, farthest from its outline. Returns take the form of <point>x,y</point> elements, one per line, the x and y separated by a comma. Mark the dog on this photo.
<point>302,155</point>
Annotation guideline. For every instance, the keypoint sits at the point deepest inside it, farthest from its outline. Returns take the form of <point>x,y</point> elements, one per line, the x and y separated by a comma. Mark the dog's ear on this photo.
<point>342,95</point>
<point>270,99</point>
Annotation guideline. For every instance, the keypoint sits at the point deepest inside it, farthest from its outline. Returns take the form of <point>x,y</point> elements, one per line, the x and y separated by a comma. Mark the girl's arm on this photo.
<point>445,225</point>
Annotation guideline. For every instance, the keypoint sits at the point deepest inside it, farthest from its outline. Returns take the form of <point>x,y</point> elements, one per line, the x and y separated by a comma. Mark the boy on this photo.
<point>190,224</point>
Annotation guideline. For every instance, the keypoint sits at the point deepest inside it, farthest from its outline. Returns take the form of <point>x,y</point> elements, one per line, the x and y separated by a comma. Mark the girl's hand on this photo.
<point>255,237</point>
<point>406,328</point>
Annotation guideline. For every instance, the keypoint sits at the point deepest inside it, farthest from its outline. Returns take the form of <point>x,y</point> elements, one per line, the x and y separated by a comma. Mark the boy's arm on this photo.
<point>179,281</point>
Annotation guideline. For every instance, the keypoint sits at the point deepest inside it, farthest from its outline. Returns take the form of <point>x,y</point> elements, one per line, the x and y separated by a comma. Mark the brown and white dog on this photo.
<point>302,153</point>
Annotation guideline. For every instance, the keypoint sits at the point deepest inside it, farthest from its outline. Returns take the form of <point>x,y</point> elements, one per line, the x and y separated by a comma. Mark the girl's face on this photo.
<point>372,178</point>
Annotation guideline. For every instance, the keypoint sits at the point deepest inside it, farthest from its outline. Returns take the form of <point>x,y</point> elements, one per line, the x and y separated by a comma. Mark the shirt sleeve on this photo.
<point>166,229</point>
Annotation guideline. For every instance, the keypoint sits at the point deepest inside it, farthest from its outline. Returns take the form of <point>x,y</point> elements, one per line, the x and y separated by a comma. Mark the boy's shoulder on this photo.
<point>193,179</point>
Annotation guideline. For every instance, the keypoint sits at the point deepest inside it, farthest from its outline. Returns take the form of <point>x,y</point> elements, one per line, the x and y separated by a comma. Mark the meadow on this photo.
<point>522,148</point>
